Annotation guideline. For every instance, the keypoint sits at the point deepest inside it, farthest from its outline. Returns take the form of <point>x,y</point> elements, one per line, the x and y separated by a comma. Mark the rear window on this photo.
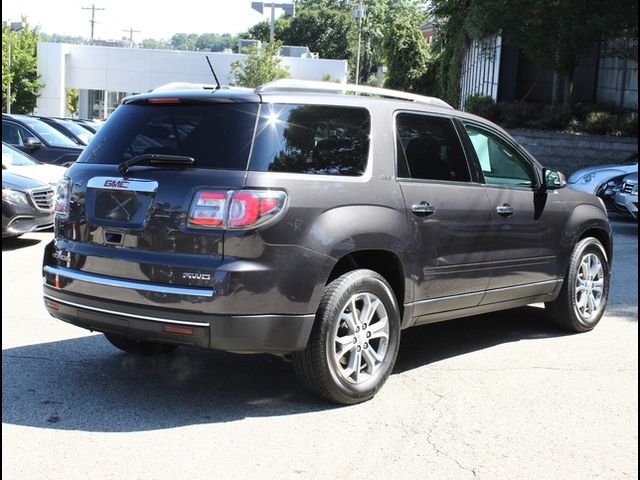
<point>214,135</point>
<point>313,139</point>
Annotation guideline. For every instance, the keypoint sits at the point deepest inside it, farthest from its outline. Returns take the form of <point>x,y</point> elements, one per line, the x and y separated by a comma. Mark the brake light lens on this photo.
<point>62,196</point>
<point>235,209</point>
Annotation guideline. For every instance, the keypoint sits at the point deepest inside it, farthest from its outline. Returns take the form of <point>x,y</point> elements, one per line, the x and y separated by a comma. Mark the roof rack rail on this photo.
<point>291,85</point>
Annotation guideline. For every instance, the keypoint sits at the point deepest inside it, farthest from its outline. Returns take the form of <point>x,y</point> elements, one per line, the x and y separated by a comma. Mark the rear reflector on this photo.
<point>53,305</point>
<point>180,330</point>
<point>235,209</point>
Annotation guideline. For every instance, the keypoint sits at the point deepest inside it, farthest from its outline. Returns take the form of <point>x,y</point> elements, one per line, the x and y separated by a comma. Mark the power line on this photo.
<point>93,9</point>
<point>131,32</point>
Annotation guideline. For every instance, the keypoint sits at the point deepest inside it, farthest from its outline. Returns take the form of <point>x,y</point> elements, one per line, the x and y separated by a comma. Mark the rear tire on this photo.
<point>354,342</point>
<point>139,347</point>
<point>583,296</point>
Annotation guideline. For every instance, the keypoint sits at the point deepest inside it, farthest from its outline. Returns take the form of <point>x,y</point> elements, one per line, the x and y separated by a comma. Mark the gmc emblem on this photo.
<point>116,184</point>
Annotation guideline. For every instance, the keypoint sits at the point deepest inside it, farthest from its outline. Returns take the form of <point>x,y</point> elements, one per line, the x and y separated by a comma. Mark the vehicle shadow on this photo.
<point>15,243</point>
<point>85,384</point>
<point>431,343</point>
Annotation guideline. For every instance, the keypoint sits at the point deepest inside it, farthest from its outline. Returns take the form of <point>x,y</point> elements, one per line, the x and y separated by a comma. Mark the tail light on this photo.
<point>235,209</point>
<point>61,197</point>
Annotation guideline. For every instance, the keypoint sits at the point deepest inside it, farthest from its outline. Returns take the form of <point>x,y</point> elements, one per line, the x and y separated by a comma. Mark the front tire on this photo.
<point>583,297</point>
<point>139,347</point>
<point>354,342</point>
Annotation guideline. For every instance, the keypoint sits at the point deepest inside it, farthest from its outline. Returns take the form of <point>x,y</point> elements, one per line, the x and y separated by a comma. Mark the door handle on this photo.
<point>505,210</point>
<point>423,209</point>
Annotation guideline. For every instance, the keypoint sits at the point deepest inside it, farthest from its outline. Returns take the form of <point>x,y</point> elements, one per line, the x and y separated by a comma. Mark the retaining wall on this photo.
<point>569,152</point>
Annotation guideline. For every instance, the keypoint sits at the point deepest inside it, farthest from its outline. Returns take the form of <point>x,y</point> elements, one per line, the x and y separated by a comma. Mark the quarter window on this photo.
<point>312,139</point>
<point>429,149</point>
<point>501,164</point>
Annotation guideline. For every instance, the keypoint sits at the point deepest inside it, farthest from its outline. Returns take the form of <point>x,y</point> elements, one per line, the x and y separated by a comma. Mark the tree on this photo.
<point>406,55</point>
<point>325,30</point>
<point>183,41</point>
<point>262,65</point>
<point>556,34</point>
<point>25,82</point>
<point>154,44</point>
<point>73,96</point>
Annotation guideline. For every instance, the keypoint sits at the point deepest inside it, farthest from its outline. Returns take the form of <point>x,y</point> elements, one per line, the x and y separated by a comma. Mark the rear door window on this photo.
<point>312,139</point>
<point>214,135</point>
<point>429,149</point>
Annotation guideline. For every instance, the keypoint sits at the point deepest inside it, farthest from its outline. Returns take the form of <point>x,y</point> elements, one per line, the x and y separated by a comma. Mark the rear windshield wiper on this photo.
<point>155,159</point>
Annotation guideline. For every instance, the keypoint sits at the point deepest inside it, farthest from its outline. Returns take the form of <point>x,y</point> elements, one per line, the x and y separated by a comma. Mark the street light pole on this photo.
<point>358,13</point>
<point>13,27</point>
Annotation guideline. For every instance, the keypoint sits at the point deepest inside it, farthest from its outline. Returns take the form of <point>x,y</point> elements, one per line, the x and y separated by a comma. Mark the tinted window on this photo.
<point>429,149</point>
<point>215,135</point>
<point>49,134</point>
<point>13,134</point>
<point>501,164</point>
<point>315,139</point>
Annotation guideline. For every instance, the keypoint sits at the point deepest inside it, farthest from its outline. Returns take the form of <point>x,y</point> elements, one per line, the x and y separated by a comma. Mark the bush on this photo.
<point>483,106</point>
<point>583,118</point>
<point>600,123</point>
<point>629,124</point>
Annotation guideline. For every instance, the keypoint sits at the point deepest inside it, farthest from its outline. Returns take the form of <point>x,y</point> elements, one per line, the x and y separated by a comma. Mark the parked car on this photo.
<point>627,196</point>
<point>19,162</point>
<point>92,125</point>
<point>298,220</point>
<point>76,132</point>
<point>26,205</point>
<point>38,139</point>
<point>604,180</point>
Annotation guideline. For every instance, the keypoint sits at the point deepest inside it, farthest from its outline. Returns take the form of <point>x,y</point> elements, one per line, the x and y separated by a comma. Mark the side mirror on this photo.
<point>554,180</point>
<point>32,143</point>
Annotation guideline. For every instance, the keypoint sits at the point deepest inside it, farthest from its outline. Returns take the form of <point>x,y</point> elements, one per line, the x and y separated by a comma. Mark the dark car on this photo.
<point>91,125</point>
<point>26,205</point>
<point>76,132</point>
<point>298,220</point>
<point>38,139</point>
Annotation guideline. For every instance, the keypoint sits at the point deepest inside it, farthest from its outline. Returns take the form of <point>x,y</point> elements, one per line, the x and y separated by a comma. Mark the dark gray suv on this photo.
<point>305,221</point>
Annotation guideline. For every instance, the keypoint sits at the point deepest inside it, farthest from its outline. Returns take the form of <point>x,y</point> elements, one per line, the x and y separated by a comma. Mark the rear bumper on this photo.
<point>234,333</point>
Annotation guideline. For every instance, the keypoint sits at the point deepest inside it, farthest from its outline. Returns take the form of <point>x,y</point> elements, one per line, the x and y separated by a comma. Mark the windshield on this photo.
<point>82,133</point>
<point>49,134</point>
<point>214,135</point>
<point>15,158</point>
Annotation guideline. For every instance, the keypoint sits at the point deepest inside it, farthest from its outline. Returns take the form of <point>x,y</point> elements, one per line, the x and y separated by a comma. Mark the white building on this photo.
<point>104,75</point>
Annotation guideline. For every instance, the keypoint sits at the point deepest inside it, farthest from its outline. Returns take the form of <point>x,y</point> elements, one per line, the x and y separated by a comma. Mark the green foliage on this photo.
<point>600,123</point>
<point>184,41</point>
<point>583,118</point>
<point>328,28</point>
<point>482,105</point>
<point>57,38</point>
<point>556,34</point>
<point>73,95</point>
<point>260,31</point>
<point>449,47</point>
<point>262,65</point>
<point>324,30</point>
<point>154,44</point>
<point>25,82</point>
<point>406,56</point>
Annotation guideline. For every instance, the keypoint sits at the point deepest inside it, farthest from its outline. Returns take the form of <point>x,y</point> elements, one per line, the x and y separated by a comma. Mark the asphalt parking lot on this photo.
<point>496,396</point>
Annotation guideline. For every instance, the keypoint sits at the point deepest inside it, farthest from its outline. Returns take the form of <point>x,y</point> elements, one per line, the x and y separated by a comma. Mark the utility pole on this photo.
<point>359,13</point>
<point>131,32</point>
<point>93,9</point>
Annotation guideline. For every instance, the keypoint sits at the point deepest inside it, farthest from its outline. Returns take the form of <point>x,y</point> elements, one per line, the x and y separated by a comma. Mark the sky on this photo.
<point>155,19</point>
